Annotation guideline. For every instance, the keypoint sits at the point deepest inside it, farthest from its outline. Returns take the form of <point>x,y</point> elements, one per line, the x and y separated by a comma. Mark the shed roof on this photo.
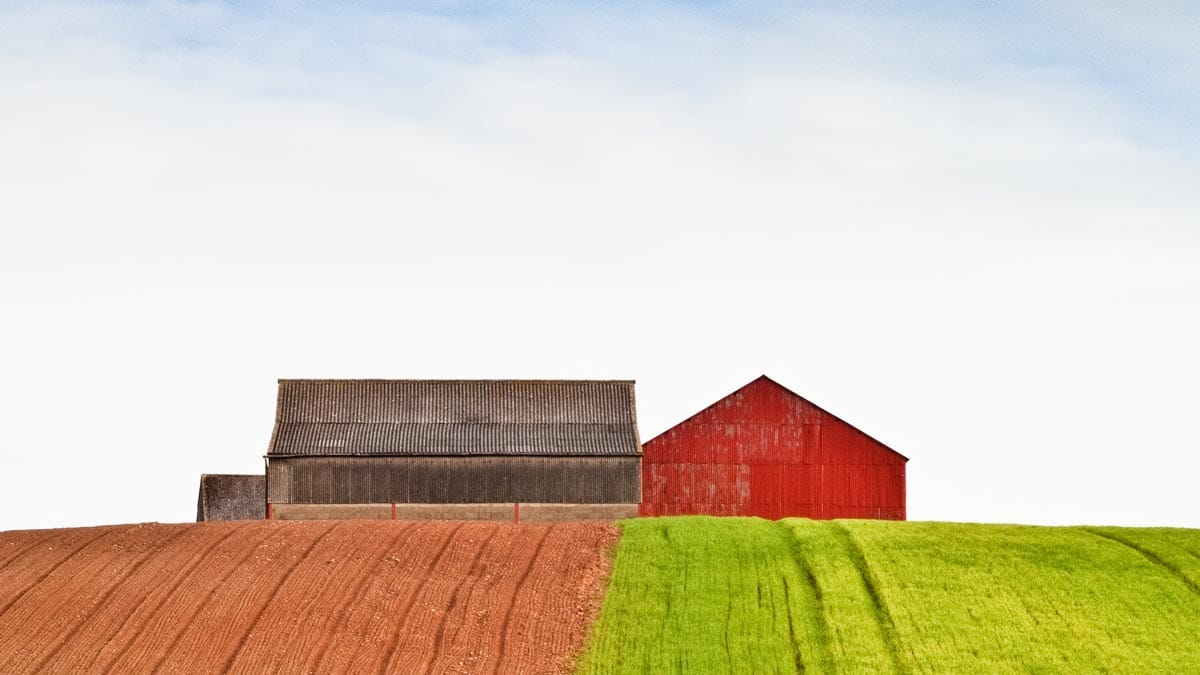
<point>455,417</point>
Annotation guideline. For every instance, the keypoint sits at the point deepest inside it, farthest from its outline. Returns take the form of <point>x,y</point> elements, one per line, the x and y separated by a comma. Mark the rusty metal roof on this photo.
<point>455,417</point>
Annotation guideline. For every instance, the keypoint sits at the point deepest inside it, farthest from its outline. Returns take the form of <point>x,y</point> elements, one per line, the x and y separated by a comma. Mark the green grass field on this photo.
<point>743,595</point>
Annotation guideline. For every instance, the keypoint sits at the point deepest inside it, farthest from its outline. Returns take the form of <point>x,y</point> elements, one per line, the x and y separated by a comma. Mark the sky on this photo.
<point>972,232</point>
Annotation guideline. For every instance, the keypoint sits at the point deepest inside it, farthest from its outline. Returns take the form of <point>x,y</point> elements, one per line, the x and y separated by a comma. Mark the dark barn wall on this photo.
<point>231,497</point>
<point>764,451</point>
<point>446,480</point>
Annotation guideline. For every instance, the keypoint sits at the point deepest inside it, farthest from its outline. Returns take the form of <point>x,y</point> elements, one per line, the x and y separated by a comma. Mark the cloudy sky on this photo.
<point>974,233</point>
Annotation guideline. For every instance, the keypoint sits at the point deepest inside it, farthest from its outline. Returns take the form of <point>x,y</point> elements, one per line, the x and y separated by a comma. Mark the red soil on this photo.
<point>271,596</point>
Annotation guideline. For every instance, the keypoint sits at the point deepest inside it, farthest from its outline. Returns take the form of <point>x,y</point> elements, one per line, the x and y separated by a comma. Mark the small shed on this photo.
<point>512,449</point>
<point>766,451</point>
<point>231,497</point>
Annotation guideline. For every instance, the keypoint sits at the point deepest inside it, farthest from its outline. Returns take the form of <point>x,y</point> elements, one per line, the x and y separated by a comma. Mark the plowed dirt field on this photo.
<point>321,597</point>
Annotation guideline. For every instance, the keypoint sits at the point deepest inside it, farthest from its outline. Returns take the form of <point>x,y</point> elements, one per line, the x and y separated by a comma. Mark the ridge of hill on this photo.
<point>705,595</point>
<point>318,596</point>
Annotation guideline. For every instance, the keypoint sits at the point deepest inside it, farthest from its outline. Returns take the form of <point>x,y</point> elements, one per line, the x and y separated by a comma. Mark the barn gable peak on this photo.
<point>764,383</point>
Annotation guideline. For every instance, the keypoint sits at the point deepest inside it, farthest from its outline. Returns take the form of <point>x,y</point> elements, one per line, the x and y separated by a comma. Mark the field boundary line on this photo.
<point>412,599</point>
<point>347,608</point>
<point>1151,556</point>
<point>107,596</point>
<point>887,625</point>
<point>537,550</point>
<point>266,604</point>
<point>42,577</point>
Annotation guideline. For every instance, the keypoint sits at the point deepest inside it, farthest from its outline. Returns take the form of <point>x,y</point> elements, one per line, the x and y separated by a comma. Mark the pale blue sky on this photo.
<point>971,232</point>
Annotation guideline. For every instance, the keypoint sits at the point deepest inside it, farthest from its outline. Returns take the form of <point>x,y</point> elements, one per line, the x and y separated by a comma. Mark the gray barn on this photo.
<point>454,449</point>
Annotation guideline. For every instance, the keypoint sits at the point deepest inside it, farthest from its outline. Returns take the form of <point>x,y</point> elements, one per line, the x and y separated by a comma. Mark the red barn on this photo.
<point>766,451</point>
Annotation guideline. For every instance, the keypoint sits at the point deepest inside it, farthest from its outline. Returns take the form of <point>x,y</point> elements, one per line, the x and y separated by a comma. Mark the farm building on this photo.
<point>765,451</point>
<point>521,449</point>
<point>231,497</point>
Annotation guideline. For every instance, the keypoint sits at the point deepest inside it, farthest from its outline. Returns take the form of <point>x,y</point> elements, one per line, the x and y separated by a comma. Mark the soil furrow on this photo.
<point>428,605</point>
<point>55,601</point>
<point>270,596</point>
<point>93,615</point>
<point>388,598</point>
<point>217,633</point>
<point>512,603</point>
<point>42,573</point>
<point>298,620</point>
<point>476,640</point>
<point>341,603</point>
<point>564,559</point>
<point>143,631</point>
<point>444,655</point>
<point>188,624</point>
<point>266,604</point>
<point>105,632</point>
<point>17,548</point>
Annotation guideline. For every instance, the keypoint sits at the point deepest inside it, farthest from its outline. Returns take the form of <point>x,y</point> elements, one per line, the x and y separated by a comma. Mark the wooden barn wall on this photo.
<point>454,480</point>
<point>765,452</point>
<point>231,497</point>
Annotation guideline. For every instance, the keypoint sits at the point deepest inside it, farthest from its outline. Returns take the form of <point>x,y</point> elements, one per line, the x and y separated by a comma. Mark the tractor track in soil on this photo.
<point>270,596</point>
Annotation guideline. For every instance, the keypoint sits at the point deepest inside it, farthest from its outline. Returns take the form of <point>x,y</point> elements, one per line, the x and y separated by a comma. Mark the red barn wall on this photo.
<point>765,451</point>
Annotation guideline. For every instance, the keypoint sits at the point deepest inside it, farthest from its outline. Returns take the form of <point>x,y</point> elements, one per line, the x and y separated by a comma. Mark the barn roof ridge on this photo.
<point>764,376</point>
<point>843,421</point>
<point>382,417</point>
<point>453,380</point>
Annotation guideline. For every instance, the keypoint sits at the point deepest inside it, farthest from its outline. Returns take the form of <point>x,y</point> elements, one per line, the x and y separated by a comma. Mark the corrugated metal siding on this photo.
<point>764,451</point>
<point>231,497</point>
<point>451,480</point>
<point>455,417</point>
<point>455,439</point>
<point>457,401</point>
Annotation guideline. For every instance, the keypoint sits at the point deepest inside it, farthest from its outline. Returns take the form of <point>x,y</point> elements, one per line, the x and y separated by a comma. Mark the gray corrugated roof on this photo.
<point>455,417</point>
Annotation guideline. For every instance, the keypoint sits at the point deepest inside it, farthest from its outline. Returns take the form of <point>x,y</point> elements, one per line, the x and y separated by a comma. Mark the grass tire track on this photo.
<point>815,595</point>
<point>887,625</point>
<point>1150,555</point>
<point>797,656</point>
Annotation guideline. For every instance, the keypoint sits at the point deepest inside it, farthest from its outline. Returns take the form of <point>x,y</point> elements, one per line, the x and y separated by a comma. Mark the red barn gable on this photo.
<point>766,451</point>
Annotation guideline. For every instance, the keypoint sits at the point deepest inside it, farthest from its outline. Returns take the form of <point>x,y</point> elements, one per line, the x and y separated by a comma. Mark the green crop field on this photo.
<point>743,595</point>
